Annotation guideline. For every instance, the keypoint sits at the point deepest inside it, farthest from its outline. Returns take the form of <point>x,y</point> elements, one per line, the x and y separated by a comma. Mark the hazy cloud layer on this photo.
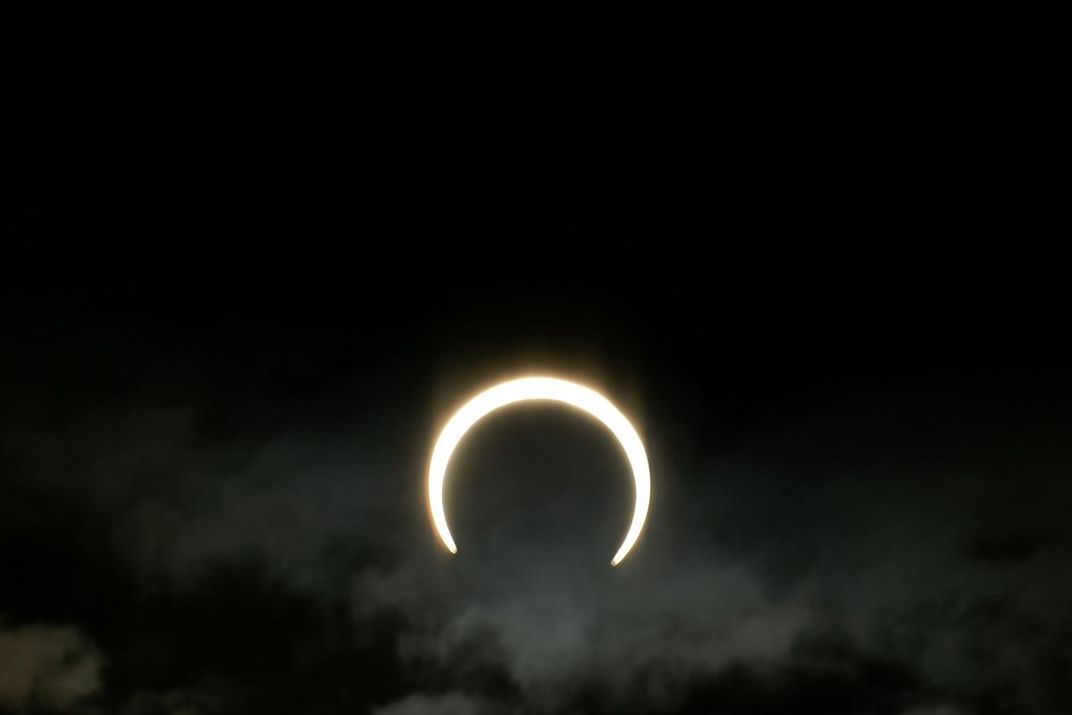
<point>797,567</point>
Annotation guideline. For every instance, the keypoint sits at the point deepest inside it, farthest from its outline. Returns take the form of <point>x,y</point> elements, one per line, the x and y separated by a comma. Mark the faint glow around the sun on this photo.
<point>540,388</point>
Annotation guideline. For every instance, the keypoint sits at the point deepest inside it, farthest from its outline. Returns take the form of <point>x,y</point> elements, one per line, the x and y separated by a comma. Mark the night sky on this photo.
<point>249,266</point>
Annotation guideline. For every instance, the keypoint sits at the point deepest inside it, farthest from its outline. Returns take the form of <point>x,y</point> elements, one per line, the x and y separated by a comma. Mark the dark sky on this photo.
<point>250,265</point>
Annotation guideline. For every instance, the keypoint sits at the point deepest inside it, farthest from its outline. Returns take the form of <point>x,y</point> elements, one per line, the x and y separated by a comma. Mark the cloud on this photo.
<point>49,666</point>
<point>421,704</point>
<point>560,632</point>
<point>803,539</point>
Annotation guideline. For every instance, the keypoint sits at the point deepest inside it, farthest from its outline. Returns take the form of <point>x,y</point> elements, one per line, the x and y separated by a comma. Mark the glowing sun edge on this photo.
<point>549,389</point>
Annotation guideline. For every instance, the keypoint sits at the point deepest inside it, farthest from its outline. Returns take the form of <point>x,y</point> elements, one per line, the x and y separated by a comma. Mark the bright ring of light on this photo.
<point>540,388</point>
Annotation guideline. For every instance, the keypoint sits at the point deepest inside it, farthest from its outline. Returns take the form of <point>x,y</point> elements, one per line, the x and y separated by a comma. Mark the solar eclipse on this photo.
<point>540,389</point>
